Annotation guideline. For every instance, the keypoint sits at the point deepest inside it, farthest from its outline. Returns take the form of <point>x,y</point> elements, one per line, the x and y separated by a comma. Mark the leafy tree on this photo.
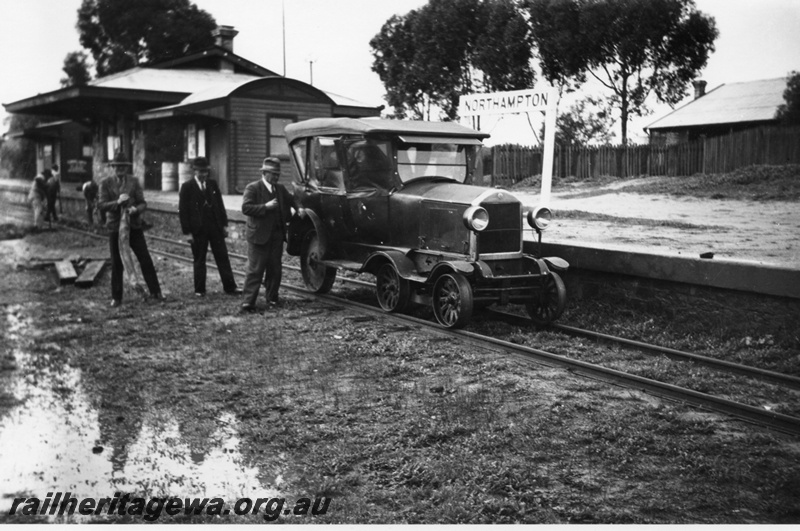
<point>430,56</point>
<point>121,34</point>
<point>18,155</point>
<point>588,121</point>
<point>789,112</point>
<point>76,68</point>
<point>633,48</point>
<point>504,48</point>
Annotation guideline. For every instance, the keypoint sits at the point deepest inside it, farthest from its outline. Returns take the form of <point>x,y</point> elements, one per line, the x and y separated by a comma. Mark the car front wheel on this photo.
<point>317,276</point>
<point>392,290</point>
<point>452,300</point>
<point>548,304</point>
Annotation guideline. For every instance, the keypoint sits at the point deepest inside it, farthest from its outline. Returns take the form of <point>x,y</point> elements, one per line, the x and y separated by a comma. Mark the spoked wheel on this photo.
<point>393,291</point>
<point>548,305</point>
<point>452,300</point>
<point>317,276</point>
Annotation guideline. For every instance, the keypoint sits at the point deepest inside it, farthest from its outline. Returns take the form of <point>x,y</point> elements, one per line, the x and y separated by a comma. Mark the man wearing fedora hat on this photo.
<point>202,214</point>
<point>119,193</point>
<point>267,206</point>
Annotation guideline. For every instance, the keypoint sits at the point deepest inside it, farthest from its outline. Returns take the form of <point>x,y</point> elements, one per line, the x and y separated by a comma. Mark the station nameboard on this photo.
<point>517,102</point>
<point>506,102</point>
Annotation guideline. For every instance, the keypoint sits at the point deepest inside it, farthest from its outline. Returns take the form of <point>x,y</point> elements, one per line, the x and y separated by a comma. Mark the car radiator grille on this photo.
<point>503,235</point>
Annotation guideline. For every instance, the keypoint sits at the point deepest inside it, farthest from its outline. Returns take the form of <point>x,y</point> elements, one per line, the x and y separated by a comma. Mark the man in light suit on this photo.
<point>267,206</point>
<point>203,215</point>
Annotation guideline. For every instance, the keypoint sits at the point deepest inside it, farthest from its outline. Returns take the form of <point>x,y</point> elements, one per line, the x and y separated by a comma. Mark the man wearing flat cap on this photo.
<point>267,206</point>
<point>120,196</point>
<point>203,215</point>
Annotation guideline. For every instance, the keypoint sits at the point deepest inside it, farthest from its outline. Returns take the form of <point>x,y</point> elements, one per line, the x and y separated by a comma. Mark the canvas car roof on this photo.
<point>356,126</point>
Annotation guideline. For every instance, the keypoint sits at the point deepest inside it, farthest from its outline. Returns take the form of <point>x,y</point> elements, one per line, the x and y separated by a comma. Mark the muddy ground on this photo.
<point>392,423</point>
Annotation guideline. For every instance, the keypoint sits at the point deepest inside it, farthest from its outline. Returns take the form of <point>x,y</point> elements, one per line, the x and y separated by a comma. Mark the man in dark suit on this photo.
<point>267,206</point>
<point>203,215</point>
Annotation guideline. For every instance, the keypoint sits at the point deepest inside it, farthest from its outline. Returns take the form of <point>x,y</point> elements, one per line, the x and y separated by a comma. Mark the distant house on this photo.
<point>728,108</point>
<point>212,103</point>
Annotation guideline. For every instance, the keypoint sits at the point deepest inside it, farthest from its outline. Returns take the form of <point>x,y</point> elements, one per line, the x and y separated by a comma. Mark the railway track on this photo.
<point>758,415</point>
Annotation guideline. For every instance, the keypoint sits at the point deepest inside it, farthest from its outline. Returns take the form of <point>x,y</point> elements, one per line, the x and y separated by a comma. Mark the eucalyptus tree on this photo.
<point>632,48</point>
<point>121,34</point>
<point>789,112</point>
<point>430,56</point>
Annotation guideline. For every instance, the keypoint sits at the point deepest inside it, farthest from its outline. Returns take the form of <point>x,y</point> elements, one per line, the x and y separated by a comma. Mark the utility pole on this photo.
<point>283,31</point>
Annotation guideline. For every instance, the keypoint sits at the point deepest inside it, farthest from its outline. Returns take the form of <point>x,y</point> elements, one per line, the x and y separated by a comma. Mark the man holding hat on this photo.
<point>267,206</point>
<point>203,215</point>
<point>120,193</point>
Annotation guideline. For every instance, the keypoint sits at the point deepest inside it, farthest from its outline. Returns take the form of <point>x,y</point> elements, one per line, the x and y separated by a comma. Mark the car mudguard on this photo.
<point>556,263</point>
<point>403,264</point>
<point>458,266</point>
<point>299,225</point>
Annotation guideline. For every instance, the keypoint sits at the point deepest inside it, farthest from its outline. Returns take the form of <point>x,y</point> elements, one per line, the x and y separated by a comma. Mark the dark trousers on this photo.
<point>51,209</point>
<point>139,248</point>
<point>200,244</point>
<point>264,265</point>
<point>91,205</point>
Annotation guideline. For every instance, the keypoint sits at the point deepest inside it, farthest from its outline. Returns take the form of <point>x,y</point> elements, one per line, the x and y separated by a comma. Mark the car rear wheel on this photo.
<point>317,276</point>
<point>452,300</point>
<point>392,290</point>
<point>549,303</point>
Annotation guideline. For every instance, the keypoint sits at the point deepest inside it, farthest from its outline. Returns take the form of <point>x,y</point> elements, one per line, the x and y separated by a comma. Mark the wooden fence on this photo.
<point>763,145</point>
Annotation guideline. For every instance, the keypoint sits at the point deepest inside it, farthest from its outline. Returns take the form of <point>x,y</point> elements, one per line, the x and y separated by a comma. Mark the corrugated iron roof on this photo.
<point>222,89</point>
<point>749,101</point>
<point>165,80</point>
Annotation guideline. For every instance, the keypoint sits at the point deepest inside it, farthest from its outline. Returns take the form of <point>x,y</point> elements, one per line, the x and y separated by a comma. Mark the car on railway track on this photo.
<point>396,199</point>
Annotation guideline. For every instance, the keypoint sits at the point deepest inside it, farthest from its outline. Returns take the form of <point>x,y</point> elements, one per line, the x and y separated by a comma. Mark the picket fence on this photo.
<point>762,145</point>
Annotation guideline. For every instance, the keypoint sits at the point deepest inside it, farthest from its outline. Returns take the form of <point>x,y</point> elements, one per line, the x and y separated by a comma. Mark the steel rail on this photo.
<point>777,421</point>
<point>735,368</point>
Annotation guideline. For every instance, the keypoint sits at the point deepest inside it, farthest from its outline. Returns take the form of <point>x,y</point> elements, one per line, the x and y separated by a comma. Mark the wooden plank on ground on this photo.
<point>90,274</point>
<point>66,273</point>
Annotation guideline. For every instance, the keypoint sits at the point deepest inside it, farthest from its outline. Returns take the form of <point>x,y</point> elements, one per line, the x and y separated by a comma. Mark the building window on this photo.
<point>113,144</point>
<point>276,135</point>
<point>195,141</point>
<point>86,146</point>
<point>201,143</point>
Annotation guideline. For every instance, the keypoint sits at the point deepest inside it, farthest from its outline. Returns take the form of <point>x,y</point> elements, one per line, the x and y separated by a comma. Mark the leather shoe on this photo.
<point>116,303</point>
<point>199,294</point>
<point>234,291</point>
<point>158,297</point>
<point>247,308</point>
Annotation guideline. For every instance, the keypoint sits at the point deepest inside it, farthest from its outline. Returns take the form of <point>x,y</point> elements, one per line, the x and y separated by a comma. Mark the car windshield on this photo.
<point>419,160</point>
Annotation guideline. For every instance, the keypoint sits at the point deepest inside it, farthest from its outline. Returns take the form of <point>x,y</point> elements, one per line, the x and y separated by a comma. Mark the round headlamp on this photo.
<point>540,218</point>
<point>476,218</point>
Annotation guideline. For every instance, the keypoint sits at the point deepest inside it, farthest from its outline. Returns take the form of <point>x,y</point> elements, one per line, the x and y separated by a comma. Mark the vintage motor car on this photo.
<point>395,199</point>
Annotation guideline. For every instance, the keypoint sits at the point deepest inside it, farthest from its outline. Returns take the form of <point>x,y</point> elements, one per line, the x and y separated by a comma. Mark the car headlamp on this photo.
<point>540,218</point>
<point>476,218</point>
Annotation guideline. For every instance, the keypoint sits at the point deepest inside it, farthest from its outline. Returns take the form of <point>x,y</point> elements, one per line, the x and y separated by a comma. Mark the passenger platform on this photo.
<point>603,246</point>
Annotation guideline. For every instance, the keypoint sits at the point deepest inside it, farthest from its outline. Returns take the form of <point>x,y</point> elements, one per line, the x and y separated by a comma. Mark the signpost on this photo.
<point>516,102</point>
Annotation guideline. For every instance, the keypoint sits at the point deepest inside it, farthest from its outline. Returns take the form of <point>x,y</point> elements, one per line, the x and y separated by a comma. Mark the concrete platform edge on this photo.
<point>726,274</point>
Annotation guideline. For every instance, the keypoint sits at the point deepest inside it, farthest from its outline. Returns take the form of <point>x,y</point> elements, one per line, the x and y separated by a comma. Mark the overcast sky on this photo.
<point>759,39</point>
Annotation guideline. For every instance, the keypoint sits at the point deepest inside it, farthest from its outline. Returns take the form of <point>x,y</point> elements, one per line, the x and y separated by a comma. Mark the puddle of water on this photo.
<point>49,443</point>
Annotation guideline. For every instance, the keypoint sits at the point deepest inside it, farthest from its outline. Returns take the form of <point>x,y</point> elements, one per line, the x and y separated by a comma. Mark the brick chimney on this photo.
<point>224,37</point>
<point>699,88</point>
